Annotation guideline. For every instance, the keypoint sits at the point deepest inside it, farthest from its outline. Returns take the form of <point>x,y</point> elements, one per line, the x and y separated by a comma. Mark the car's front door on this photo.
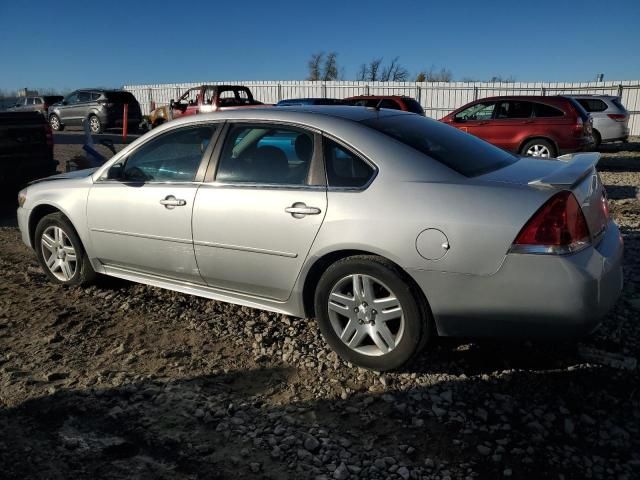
<point>476,119</point>
<point>68,109</point>
<point>139,214</point>
<point>254,224</point>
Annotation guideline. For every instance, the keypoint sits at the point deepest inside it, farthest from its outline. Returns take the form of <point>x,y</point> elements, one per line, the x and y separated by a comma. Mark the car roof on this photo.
<point>532,98</point>
<point>588,95</point>
<point>317,115</point>
<point>377,96</point>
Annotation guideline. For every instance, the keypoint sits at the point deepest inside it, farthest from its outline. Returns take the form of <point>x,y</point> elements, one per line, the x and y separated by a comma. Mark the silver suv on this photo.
<point>610,118</point>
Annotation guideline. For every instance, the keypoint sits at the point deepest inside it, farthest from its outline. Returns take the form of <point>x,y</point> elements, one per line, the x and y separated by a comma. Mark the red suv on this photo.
<point>534,126</point>
<point>394,102</point>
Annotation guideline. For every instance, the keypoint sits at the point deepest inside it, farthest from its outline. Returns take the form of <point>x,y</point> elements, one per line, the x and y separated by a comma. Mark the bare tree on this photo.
<point>330,68</point>
<point>501,79</point>
<point>362,72</point>
<point>421,77</point>
<point>315,65</point>
<point>373,70</point>
<point>444,75</point>
<point>394,72</point>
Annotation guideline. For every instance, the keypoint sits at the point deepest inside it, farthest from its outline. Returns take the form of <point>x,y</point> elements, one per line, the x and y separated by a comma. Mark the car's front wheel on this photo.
<point>55,123</point>
<point>368,313</point>
<point>60,251</point>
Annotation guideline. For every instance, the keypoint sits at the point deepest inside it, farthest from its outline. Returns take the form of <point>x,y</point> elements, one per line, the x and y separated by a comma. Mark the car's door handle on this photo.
<point>171,202</point>
<point>300,209</point>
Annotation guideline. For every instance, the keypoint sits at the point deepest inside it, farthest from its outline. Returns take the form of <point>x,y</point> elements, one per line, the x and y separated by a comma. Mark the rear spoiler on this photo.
<point>577,167</point>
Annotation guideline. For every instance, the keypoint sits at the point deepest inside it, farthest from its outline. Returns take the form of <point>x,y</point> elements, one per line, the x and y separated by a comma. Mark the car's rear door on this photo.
<point>256,219</point>
<point>140,218</point>
<point>513,119</point>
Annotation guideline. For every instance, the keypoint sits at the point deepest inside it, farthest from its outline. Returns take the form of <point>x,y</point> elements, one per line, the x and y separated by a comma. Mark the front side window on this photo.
<point>266,154</point>
<point>345,168</point>
<point>172,157</point>
<point>514,109</point>
<point>72,98</point>
<point>479,111</point>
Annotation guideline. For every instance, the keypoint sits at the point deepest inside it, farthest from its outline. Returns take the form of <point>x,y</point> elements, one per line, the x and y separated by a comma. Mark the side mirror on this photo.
<point>116,172</point>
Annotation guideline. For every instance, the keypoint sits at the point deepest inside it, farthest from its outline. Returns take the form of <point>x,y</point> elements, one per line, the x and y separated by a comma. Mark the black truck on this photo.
<point>26,150</point>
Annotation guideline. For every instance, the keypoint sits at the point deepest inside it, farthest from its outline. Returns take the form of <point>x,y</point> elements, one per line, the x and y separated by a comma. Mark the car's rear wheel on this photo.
<point>60,251</point>
<point>539,147</point>
<point>55,123</point>
<point>95,125</point>
<point>369,314</point>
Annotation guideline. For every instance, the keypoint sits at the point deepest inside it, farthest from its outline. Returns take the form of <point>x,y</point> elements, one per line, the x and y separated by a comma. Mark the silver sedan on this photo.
<point>388,227</point>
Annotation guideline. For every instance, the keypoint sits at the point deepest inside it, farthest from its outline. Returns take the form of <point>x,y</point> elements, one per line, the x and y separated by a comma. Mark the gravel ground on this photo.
<point>127,381</point>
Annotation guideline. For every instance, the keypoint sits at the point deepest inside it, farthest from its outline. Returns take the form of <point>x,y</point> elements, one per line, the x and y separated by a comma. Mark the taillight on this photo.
<point>618,117</point>
<point>558,227</point>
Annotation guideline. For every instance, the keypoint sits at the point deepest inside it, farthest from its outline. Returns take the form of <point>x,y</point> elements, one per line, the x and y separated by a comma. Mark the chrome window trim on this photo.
<point>266,186</point>
<point>366,159</point>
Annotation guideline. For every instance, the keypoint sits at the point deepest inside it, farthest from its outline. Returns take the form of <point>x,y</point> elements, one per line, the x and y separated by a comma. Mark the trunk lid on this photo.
<point>575,172</point>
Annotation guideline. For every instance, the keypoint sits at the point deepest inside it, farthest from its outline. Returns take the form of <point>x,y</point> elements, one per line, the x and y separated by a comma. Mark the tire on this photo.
<point>399,338</point>
<point>597,139</point>
<point>540,145</point>
<point>78,272</point>
<point>95,125</point>
<point>55,123</point>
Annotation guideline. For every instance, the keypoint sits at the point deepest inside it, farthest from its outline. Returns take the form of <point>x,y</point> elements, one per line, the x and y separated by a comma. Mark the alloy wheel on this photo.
<point>366,315</point>
<point>94,124</point>
<point>54,122</point>
<point>537,150</point>
<point>58,253</point>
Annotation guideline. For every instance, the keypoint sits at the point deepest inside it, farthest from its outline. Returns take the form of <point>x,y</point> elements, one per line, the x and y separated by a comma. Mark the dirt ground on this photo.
<point>121,380</point>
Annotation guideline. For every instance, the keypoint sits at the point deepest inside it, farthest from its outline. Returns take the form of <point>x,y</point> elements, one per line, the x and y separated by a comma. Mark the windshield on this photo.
<point>459,151</point>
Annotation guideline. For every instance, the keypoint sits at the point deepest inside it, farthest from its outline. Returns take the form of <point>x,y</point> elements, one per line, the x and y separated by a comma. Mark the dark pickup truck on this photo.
<point>26,150</point>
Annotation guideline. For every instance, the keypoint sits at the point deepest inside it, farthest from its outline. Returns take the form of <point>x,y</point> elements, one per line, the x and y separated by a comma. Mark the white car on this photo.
<point>610,118</point>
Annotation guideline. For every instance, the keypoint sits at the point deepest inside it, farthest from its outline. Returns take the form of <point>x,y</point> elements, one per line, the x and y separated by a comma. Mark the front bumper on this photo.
<point>530,295</point>
<point>23,224</point>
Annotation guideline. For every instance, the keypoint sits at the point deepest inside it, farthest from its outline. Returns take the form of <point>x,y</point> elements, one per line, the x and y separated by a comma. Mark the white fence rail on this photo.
<point>437,98</point>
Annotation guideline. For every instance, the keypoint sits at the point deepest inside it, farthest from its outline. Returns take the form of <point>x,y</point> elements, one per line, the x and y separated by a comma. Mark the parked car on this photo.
<point>393,102</point>
<point>26,150</point>
<point>204,99</point>
<point>610,118</point>
<point>103,109</point>
<point>386,226</point>
<point>39,103</point>
<point>527,125</point>
<point>290,102</point>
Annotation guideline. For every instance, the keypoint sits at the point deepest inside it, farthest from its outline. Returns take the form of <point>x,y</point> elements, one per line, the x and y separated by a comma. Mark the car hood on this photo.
<point>65,176</point>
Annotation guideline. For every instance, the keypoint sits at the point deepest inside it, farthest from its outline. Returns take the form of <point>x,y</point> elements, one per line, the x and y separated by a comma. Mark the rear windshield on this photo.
<point>120,97</point>
<point>618,103</point>
<point>413,106</point>
<point>49,99</point>
<point>459,151</point>
<point>579,109</point>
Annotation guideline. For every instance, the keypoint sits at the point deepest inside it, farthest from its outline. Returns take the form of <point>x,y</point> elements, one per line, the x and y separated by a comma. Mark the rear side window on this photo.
<point>345,168</point>
<point>592,104</point>
<point>462,152</point>
<point>84,97</point>
<point>543,110</point>
<point>121,97</point>
<point>391,104</point>
<point>266,154</point>
<point>514,109</point>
